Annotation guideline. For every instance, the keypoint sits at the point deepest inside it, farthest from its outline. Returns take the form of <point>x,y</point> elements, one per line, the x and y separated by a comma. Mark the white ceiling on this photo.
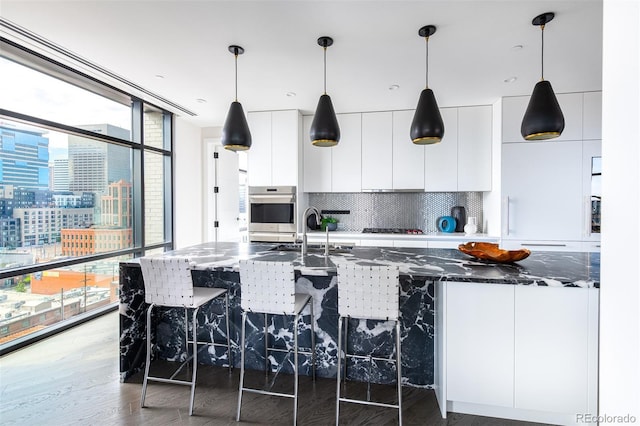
<point>376,45</point>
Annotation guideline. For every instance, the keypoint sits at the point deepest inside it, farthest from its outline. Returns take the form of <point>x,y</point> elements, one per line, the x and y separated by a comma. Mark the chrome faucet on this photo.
<point>305,215</point>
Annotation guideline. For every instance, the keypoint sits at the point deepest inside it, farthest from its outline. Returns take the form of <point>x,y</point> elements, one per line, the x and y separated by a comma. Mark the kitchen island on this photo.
<point>420,270</point>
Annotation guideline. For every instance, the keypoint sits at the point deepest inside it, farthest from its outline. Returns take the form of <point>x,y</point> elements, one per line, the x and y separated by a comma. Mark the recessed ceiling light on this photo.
<point>510,79</point>
<point>517,47</point>
<point>159,76</point>
<point>394,87</point>
<point>201,101</point>
<point>291,94</point>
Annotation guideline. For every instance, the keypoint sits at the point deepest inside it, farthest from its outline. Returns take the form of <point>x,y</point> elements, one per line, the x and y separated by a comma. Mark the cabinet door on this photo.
<point>284,148</point>
<point>317,162</point>
<point>474,148</point>
<point>408,158</point>
<point>441,159</point>
<point>480,343</point>
<point>592,115</point>
<point>571,106</point>
<point>513,109</point>
<point>346,164</point>
<point>259,156</point>
<point>542,189</point>
<point>552,349</point>
<point>376,151</point>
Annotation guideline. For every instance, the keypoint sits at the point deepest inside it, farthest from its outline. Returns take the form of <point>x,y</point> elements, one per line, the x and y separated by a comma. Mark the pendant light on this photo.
<point>427,126</point>
<point>235,133</point>
<point>543,118</point>
<point>324,128</point>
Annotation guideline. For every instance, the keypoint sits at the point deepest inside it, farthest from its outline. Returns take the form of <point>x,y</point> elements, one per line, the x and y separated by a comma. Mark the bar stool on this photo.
<point>269,288</point>
<point>168,283</point>
<point>372,293</point>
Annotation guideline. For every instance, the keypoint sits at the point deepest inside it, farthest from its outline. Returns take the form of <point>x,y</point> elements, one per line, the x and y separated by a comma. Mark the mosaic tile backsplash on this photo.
<point>396,209</point>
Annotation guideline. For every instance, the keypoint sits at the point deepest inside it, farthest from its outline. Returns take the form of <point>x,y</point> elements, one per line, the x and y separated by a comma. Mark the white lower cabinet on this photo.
<point>479,339</point>
<point>517,351</point>
<point>554,349</point>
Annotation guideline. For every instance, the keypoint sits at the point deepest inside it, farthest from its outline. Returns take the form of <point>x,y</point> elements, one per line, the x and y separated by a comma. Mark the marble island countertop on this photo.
<point>568,269</point>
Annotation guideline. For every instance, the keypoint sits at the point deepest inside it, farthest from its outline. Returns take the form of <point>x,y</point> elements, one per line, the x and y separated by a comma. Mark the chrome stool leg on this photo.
<point>295,369</point>
<point>313,342</point>
<point>194,330</point>
<point>266,345</point>
<point>339,371</point>
<point>226,308</point>
<point>399,371</point>
<point>244,320</point>
<point>148,363</point>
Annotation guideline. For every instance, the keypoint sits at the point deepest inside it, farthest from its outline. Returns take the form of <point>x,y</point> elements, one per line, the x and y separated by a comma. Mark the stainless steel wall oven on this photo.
<point>272,213</point>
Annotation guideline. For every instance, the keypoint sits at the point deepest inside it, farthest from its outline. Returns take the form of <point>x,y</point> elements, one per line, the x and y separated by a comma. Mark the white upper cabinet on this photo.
<point>592,115</point>
<point>273,157</point>
<point>377,152</point>
<point>259,155</point>
<point>513,109</point>
<point>474,148</point>
<point>285,130</point>
<point>346,165</point>
<point>408,158</point>
<point>441,159</point>
<point>317,162</point>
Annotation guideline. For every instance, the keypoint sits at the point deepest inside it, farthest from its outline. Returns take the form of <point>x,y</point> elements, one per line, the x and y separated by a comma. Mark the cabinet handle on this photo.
<point>587,216</point>
<point>505,219</point>
<point>543,245</point>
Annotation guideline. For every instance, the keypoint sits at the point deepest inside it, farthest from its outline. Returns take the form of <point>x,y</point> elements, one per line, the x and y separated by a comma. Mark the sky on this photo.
<point>33,93</point>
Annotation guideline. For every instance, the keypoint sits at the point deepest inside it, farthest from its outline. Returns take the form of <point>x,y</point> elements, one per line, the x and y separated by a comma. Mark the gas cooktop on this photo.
<point>391,231</point>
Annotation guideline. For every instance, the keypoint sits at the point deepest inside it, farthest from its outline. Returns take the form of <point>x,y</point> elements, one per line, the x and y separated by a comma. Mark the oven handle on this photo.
<point>272,199</point>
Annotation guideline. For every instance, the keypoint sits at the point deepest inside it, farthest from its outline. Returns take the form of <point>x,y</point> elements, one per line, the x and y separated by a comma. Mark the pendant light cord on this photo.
<point>236,55</point>
<point>427,60</point>
<point>324,48</point>
<point>542,53</point>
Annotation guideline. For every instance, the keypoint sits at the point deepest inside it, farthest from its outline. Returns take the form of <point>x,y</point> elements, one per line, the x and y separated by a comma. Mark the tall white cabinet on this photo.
<point>546,185</point>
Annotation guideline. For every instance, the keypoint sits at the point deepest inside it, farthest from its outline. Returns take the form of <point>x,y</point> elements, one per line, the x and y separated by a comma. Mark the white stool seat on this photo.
<point>368,292</point>
<point>168,283</point>
<point>269,288</point>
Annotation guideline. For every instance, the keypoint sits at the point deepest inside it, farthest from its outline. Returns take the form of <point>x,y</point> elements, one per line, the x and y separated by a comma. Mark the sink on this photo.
<point>313,248</point>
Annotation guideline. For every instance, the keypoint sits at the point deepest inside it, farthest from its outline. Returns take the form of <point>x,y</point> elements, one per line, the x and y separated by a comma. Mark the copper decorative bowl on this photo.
<point>491,251</point>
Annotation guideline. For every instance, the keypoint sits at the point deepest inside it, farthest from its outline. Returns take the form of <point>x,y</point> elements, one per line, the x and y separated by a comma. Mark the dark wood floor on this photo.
<point>73,379</point>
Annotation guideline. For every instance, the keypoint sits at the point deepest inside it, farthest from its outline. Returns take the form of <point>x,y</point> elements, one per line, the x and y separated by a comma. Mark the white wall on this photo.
<point>620,272</point>
<point>188,181</point>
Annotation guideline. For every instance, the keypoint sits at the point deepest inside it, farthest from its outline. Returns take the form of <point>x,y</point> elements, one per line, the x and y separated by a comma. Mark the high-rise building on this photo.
<point>24,157</point>
<point>60,174</point>
<point>81,242</point>
<point>94,165</point>
<point>9,232</point>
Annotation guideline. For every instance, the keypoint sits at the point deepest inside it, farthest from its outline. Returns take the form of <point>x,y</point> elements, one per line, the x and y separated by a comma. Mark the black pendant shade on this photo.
<point>324,127</point>
<point>325,131</point>
<point>235,133</point>
<point>427,126</point>
<point>543,118</point>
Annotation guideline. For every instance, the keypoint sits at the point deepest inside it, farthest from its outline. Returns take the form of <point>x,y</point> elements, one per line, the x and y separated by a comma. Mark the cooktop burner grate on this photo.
<point>391,231</point>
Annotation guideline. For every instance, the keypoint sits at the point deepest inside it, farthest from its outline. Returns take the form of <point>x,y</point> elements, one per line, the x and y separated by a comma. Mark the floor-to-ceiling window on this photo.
<point>85,182</point>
